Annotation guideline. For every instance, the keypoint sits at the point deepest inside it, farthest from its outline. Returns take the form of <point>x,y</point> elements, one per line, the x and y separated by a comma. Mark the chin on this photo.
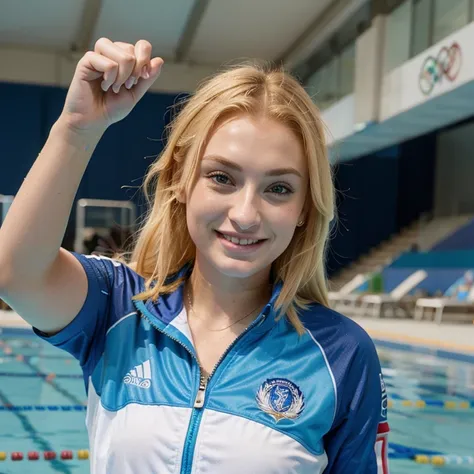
<point>236,268</point>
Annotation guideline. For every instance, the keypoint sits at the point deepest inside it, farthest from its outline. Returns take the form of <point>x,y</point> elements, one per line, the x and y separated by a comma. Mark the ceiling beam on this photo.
<point>190,29</point>
<point>319,31</point>
<point>87,25</point>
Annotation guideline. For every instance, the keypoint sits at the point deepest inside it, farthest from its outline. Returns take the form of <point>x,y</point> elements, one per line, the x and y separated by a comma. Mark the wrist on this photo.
<point>82,138</point>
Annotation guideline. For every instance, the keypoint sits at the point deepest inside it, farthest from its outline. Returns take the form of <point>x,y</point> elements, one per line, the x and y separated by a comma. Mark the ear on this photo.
<point>181,196</point>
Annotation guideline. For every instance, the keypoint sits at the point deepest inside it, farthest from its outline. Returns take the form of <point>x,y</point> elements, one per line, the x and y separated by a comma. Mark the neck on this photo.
<point>215,298</point>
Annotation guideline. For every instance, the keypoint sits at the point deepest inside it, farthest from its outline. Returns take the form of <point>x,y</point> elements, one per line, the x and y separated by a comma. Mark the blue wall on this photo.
<point>27,114</point>
<point>366,207</point>
<point>416,178</point>
<point>121,158</point>
<point>380,194</point>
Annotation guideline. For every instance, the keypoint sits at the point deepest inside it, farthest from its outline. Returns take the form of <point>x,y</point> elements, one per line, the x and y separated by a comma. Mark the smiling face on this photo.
<point>247,198</point>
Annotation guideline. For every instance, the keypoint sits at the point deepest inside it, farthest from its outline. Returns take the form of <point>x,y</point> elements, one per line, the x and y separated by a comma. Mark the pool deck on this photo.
<point>456,337</point>
<point>9,319</point>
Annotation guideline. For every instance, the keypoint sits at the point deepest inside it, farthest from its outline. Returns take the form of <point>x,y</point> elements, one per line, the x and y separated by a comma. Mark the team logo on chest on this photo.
<point>280,398</point>
<point>140,375</point>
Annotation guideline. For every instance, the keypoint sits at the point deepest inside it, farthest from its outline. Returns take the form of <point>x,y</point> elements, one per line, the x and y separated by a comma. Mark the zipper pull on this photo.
<point>201,395</point>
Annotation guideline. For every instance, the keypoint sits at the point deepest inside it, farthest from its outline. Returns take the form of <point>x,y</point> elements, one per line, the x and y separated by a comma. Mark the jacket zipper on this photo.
<point>196,415</point>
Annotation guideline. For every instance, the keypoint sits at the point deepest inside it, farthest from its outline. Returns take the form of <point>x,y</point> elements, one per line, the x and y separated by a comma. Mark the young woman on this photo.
<point>214,351</point>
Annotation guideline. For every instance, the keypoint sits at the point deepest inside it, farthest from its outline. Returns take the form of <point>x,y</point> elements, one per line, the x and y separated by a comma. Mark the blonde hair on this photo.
<point>164,245</point>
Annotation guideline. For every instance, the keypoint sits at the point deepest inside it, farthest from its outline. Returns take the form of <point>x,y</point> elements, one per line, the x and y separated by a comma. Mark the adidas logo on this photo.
<point>139,376</point>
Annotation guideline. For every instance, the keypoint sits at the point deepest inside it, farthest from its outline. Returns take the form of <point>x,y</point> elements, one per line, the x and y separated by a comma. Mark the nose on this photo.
<point>244,212</point>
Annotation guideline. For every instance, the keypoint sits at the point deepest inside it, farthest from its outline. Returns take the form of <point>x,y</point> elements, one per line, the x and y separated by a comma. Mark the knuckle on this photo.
<point>111,66</point>
<point>126,47</point>
<point>88,56</point>
<point>129,59</point>
<point>100,41</point>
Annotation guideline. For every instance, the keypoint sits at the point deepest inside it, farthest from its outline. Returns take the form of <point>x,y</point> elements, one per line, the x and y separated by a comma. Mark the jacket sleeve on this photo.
<point>357,442</point>
<point>111,286</point>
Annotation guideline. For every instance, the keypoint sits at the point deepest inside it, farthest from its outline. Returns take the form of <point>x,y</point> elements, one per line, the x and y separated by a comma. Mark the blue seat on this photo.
<point>438,279</point>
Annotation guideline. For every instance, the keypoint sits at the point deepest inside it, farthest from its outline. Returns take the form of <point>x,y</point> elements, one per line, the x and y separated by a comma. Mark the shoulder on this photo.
<point>349,351</point>
<point>112,286</point>
<point>113,273</point>
<point>334,331</point>
<point>350,354</point>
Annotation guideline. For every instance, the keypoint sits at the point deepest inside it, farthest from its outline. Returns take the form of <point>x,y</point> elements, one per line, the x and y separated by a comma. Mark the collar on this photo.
<point>164,313</point>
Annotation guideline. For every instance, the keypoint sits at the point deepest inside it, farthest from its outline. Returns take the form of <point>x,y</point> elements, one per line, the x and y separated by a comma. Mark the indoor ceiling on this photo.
<point>200,32</point>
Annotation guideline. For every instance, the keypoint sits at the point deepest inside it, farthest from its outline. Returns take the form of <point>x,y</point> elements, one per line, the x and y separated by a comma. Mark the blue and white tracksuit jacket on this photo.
<point>277,403</point>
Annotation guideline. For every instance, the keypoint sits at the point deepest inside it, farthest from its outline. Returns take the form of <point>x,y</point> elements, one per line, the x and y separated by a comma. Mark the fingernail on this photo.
<point>116,88</point>
<point>104,86</point>
<point>136,80</point>
<point>130,82</point>
<point>145,73</point>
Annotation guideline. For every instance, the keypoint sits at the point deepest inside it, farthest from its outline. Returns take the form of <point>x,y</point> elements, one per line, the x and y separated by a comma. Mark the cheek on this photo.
<point>284,217</point>
<point>202,207</point>
<point>284,223</point>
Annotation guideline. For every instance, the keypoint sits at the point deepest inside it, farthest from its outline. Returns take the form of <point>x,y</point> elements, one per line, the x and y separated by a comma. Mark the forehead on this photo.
<point>253,141</point>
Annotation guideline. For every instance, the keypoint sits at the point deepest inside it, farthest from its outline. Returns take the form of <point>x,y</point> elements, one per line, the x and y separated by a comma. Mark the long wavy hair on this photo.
<point>163,245</point>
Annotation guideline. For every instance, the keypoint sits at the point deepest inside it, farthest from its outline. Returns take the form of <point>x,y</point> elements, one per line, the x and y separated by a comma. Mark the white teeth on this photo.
<point>235,240</point>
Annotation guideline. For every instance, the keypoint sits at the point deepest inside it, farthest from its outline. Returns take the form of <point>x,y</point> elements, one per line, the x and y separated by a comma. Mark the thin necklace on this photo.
<point>222,329</point>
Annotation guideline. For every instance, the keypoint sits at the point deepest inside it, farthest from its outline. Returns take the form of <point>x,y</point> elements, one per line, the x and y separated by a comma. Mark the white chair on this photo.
<point>438,304</point>
<point>381,301</point>
<point>335,297</point>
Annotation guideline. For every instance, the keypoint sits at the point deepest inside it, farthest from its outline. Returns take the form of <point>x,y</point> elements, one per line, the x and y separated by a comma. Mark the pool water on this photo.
<point>25,364</point>
<point>35,423</point>
<point>424,376</point>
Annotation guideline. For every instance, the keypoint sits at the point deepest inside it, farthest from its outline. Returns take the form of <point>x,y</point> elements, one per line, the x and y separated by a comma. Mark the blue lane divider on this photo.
<point>41,375</point>
<point>396,400</point>
<point>57,408</point>
<point>428,456</point>
<point>407,452</point>
<point>39,356</point>
<point>427,403</point>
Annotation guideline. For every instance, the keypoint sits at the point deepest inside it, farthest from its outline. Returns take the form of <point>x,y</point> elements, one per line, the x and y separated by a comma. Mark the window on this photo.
<point>334,80</point>
<point>347,70</point>
<point>397,37</point>
<point>448,17</point>
<point>421,32</point>
<point>327,92</point>
<point>313,85</point>
<point>322,85</point>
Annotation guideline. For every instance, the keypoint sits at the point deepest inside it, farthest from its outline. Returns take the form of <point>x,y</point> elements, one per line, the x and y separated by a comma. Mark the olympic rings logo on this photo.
<point>447,63</point>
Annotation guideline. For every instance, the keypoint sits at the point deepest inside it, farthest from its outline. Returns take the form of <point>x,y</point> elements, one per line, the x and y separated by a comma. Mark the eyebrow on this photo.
<point>235,166</point>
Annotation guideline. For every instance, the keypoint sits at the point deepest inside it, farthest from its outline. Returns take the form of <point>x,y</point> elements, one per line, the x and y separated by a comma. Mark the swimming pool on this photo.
<point>42,407</point>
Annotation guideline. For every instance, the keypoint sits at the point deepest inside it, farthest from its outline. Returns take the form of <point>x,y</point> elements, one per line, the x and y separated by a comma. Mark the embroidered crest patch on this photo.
<point>280,398</point>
